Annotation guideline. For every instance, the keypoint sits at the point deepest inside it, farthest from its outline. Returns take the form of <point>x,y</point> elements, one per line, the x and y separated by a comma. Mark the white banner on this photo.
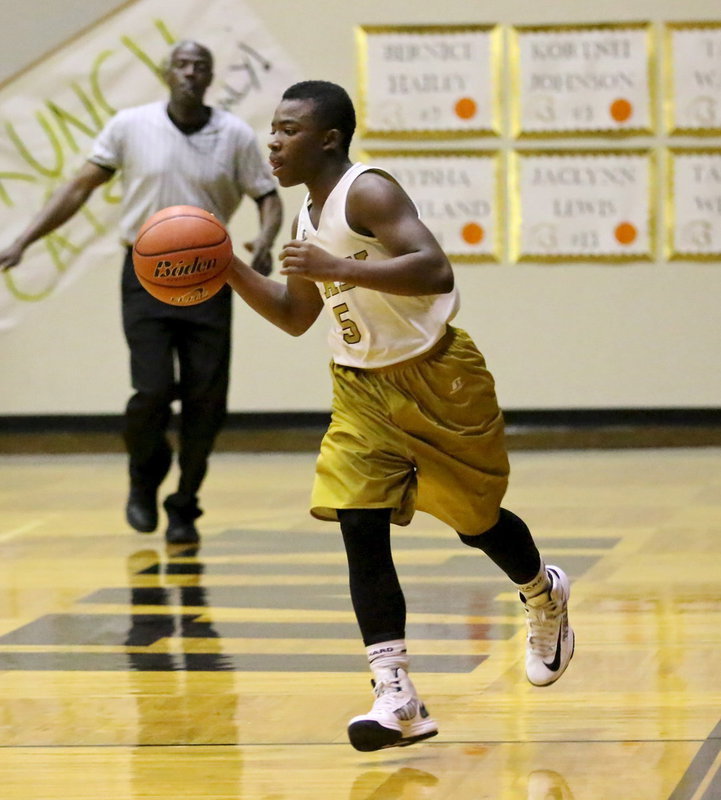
<point>429,81</point>
<point>576,205</point>
<point>50,114</point>
<point>695,78</point>
<point>456,193</point>
<point>588,79</point>
<point>694,200</point>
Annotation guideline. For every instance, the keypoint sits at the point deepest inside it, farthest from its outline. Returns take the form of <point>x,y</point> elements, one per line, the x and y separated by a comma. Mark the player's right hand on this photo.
<point>11,256</point>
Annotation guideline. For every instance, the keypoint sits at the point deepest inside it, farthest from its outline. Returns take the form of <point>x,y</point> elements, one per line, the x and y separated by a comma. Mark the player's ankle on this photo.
<point>386,655</point>
<point>537,585</point>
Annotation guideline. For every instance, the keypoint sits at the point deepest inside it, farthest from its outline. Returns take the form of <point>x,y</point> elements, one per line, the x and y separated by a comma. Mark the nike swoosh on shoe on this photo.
<point>556,663</point>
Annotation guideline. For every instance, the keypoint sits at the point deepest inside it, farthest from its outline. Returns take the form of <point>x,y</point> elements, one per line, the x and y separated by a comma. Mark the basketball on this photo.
<point>181,255</point>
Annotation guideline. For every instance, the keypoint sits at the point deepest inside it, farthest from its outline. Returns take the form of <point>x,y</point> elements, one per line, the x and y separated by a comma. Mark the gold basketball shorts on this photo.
<point>425,434</point>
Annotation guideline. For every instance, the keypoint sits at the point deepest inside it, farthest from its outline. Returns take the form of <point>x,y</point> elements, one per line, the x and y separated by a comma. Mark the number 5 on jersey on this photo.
<point>351,334</point>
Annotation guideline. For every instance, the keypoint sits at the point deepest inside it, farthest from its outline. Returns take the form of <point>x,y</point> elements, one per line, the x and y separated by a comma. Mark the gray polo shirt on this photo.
<point>160,166</point>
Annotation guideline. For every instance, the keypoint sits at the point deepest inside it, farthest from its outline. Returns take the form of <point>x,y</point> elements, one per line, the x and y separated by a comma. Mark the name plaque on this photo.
<point>582,80</point>
<point>693,78</point>
<point>693,202</point>
<point>581,206</point>
<point>457,194</point>
<point>431,81</point>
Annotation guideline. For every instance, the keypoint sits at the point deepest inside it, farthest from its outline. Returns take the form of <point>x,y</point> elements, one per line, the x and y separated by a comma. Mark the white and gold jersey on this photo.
<point>370,329</point>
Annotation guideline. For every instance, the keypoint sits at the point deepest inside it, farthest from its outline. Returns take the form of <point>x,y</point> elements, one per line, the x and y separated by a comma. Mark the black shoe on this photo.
<point>181,531</point>
<point>182,512</point>
<point>141,510</point>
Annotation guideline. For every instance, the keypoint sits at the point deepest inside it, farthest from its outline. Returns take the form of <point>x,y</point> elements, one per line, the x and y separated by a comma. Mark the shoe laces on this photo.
<point>387,690</point>
<point>543,620</point>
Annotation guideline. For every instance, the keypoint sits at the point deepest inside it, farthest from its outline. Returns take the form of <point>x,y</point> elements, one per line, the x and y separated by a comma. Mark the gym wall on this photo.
<point>566,335</point>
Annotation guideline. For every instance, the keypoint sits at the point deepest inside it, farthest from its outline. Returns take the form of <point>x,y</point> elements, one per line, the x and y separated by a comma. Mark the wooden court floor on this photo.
<point>128,671</point>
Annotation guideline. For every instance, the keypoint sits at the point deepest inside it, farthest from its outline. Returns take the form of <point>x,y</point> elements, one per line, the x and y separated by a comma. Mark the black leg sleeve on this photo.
<point>510,546</point>
<point>375,591</point>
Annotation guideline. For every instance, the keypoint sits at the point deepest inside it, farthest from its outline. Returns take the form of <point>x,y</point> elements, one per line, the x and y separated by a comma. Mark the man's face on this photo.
<point>189,73</point>
<point>296,142</point>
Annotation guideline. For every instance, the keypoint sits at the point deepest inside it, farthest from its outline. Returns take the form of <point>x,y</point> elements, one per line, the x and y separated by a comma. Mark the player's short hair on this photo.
<point>333,106</point>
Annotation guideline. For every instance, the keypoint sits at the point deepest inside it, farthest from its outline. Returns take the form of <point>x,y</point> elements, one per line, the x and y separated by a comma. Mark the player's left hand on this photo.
<point>309,261</point>
<point>262,262</point>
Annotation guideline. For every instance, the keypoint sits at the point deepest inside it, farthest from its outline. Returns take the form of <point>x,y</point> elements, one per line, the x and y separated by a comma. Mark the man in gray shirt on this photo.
<point>179,152</point>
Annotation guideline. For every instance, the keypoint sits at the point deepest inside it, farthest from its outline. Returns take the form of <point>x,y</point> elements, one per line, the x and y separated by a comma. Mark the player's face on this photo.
<point>296,142</point>
<point>189,73</point>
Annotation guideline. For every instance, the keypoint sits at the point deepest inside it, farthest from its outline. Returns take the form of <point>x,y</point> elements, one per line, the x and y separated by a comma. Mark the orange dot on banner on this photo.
<point>621,109</point>
<point>473,233</point>
<point>466,108</point>
<point>625,233</point>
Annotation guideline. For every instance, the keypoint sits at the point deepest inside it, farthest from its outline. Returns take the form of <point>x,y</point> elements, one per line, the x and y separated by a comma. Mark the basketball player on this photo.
<point>415,422</point>
<point>179,152</point>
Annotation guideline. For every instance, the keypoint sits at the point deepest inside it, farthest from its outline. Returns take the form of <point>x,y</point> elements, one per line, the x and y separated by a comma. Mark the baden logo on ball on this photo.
<point>181,255</point>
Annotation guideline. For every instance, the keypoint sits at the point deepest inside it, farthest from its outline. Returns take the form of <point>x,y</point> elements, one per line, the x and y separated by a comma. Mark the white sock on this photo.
<point>541,583</point>
<point>385,655</point>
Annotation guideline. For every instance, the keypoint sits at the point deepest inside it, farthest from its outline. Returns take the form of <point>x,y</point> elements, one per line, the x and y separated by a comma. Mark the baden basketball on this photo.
<point>181,255</point>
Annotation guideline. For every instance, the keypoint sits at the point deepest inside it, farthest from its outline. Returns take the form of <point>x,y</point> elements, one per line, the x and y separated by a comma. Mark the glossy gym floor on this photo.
<point>131,671</point>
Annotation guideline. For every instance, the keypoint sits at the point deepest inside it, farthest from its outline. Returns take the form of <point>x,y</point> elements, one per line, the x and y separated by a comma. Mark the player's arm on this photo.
<point>292,306</point>
<point>379,207</point>
<point>63,203</point>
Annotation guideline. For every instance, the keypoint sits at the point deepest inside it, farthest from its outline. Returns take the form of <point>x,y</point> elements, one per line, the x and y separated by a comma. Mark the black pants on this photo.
<point>175,353</point>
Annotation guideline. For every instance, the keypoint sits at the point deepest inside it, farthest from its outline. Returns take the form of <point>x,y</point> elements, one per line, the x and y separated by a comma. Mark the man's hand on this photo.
<point>310,262</point>
<point>262,262</point>
<point>11,256</point>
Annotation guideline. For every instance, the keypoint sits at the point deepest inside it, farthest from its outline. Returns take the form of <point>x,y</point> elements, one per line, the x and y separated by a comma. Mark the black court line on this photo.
<point>435,743</point>
<point>706,764</point>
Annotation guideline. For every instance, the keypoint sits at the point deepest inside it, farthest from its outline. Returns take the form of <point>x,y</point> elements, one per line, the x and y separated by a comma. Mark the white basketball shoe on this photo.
<point>550,640</point>
<point>398,717</point>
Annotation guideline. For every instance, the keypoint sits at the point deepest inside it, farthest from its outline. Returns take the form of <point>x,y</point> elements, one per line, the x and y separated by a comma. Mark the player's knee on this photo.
<point>479,540</point>
<point>363,520</point>
<point>471,540</point>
